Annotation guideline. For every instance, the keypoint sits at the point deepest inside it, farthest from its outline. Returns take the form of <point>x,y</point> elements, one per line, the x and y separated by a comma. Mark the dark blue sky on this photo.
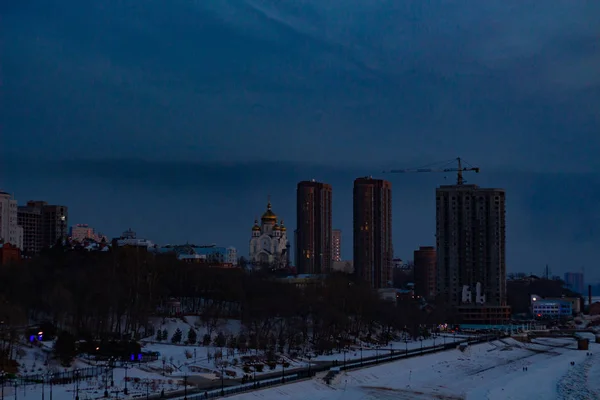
<point>295,90</point>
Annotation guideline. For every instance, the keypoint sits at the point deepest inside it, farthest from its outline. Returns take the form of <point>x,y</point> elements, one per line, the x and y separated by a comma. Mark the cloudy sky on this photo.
<point>275,88</point>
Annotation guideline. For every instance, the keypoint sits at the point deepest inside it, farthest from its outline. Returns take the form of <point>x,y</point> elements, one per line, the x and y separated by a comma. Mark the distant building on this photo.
<point>10,230</point>
<point>208,254</point>
<point>9,254</point>
<point>129,238</point>
<point>268,242</point>
<point>43,224</point>
<point>346,267</point>
<point>550,308</point>
<point>336,246</point>
<point>425,273</point>
<point>575,281</point>
<point>313,227</point>
<point>81,232</point>
<point>373,250</point>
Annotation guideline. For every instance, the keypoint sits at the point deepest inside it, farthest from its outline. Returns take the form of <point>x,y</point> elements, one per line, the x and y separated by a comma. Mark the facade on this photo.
<point>10,230</point>
<point>424,272</point>
<point>268,243</point>
<point>575,281</point>
<point>81,232</point>
<point>43,224</point>
<point>550,309</point>
<point>471,247</point>
<point>373,250</point>
<point>346,267</point>
<point>336,245</point>
<point>313,228</point>
<point>9,253</point>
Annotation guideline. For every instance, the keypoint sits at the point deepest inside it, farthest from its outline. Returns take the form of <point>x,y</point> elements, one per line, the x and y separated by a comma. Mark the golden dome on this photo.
<point>269,215</point>
<point>276,227</point>
<point>256,227</point>
<point>283,228</point>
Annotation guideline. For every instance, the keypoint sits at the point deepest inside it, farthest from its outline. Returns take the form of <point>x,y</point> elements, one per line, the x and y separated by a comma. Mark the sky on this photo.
<point>177,118</point>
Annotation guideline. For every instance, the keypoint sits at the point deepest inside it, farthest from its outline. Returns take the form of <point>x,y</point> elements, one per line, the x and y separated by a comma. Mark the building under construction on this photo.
<point>470,247</point>
<point>471,251</point>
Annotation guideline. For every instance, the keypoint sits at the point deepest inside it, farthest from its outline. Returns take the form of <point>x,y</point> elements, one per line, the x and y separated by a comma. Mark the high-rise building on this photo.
<point>10,230</point>
<point>336,244</point>
<point>373,250</point>
<point>424,272</point>
<point>575,281</point>
<point>43,224</point>
<point>471,247</point>
<point>313,228</point>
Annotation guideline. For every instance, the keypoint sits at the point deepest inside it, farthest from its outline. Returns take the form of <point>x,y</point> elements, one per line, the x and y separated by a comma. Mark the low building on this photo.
<point>346,267</point>
<point>550,309</point>
<point>9,253</point>
<point>304,280</point>
<point>484,314</point>
<point>595,308</point>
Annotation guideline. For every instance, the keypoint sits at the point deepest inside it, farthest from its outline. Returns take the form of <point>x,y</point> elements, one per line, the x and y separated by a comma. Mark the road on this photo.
<point>207,385</point>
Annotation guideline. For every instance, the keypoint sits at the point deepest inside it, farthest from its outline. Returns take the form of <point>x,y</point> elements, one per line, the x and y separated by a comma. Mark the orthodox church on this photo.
<point>269,244</point>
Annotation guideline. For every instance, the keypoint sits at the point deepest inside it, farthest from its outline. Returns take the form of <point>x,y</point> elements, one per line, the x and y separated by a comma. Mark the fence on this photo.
<point>59,378</point>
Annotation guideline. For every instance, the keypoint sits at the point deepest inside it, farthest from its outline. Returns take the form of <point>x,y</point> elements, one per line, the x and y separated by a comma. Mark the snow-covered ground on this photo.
<point>487,371</point>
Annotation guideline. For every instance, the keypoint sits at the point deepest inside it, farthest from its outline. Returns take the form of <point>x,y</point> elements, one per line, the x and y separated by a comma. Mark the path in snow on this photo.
<point>574,384</point>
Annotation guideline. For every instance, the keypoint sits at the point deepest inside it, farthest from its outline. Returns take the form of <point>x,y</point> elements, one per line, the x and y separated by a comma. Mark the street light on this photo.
<point>361,358</point>
<point>283,373</point>
<point>43,380</point>
<point>106,380</point>
<point>147,389</point>
<point>222,379</point>
<point>309,357</point>
<point>185,387</point>
<point>125,390</point>
<point>391,350</point>
<point>50,378</point>
<point>77,385</point>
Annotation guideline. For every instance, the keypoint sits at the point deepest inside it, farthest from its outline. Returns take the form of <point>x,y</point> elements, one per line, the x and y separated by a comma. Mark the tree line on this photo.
<point>114,293</point>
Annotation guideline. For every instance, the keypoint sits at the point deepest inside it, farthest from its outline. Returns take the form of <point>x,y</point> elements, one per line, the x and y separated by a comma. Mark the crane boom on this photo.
<point>459,170</point>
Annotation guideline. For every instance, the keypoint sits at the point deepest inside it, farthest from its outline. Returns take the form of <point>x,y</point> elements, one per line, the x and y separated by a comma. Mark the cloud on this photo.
<point>382,83</point>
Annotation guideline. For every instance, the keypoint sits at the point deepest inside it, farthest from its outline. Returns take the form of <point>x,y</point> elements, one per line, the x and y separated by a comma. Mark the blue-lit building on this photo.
<point>550,309</point>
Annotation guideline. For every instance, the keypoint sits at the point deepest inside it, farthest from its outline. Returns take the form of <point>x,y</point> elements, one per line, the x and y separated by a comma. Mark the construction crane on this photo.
<point>459,169</point>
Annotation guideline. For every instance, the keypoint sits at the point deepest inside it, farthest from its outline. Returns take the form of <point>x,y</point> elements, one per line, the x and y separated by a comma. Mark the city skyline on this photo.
<point>130,118</point>
<point>112,199</point>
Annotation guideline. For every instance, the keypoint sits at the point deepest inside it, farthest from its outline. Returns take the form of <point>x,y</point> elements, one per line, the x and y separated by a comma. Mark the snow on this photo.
<point>488,371</point>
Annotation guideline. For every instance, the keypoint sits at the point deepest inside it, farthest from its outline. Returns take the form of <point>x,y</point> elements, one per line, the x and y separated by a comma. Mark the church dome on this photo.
<point>276,227</point>
<point>283,228</point>
<point>269,216</point>
<point>256,227</point>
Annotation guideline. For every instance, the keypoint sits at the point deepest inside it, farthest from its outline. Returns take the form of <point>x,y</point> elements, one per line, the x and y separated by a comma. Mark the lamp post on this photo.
<point>344,358</point>
<point>147,389</point>
<point>77,385</point>
<point>50,377</point>
<point>361,358</point>
<point>309,357</point>
<point>421,345</point>
<point>185,387</point>
<point>43,380</point>
<point>125,390</point>
<point>391,351</point>
<point>222,379</point>
<point>2,375</point>
<point>406,345</point>
<point>112,372</point>
<point>106,380</point>
<point>283,369</point>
